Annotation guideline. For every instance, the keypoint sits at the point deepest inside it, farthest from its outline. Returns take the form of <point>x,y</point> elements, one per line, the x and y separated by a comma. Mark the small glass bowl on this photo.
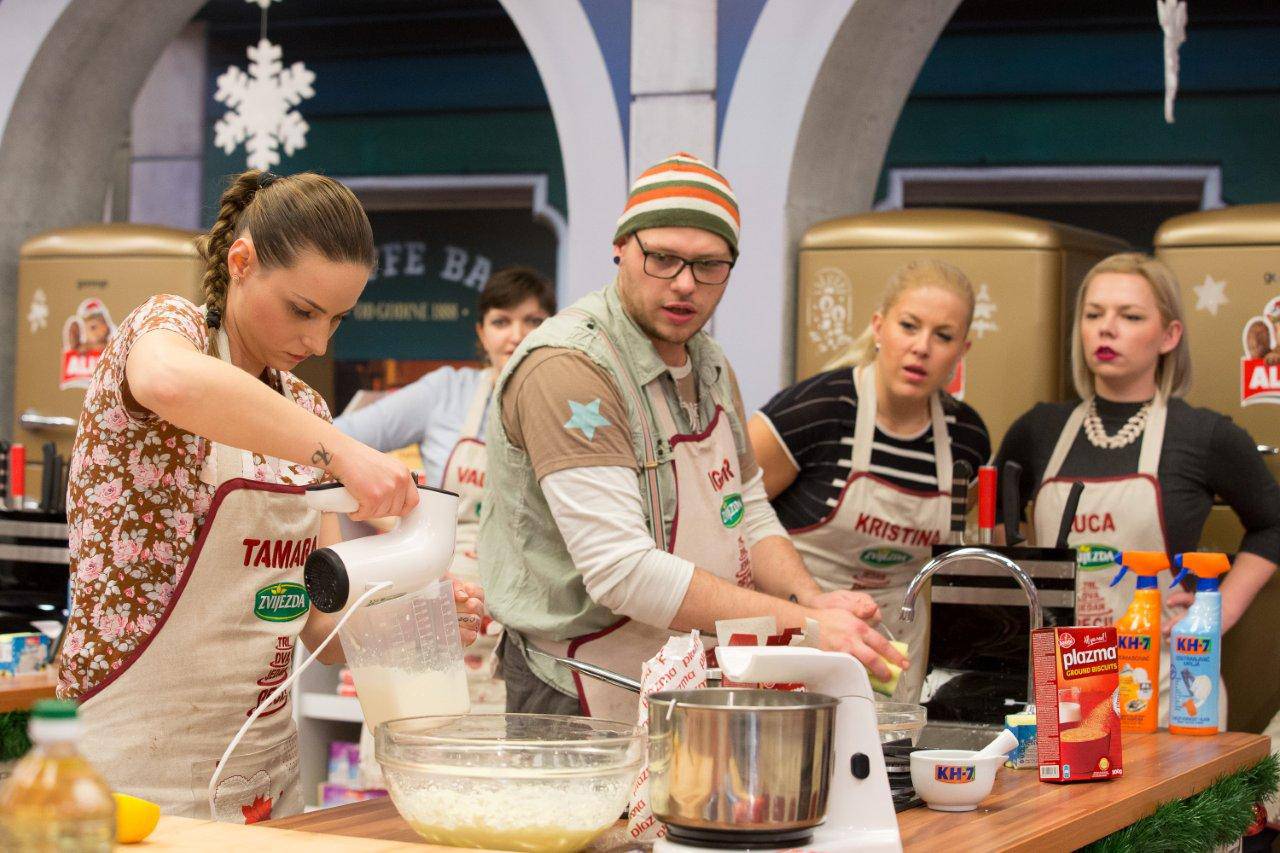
<point>900,721</point>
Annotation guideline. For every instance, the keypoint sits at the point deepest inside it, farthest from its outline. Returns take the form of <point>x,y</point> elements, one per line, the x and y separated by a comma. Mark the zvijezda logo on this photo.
<point>281,602</point>
<point>731,510</point>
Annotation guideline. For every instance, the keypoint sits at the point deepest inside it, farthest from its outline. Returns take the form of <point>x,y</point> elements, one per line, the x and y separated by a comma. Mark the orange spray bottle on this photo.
<point>1138,642</point>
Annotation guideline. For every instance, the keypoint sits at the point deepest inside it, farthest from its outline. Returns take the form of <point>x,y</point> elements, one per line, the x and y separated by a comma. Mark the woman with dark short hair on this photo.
<point>444,414</point>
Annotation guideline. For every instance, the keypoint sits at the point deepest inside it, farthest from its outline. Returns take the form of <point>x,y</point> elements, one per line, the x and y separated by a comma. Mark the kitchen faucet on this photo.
<point>908,612</point>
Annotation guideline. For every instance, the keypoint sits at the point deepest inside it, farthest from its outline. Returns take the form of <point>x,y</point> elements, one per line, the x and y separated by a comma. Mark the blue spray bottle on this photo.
<point>1196,649</point>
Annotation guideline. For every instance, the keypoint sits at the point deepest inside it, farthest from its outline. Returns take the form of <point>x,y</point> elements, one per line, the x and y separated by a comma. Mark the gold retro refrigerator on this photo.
<point>1228,267</point>
<point>74,286</point>
<point>1024,270</point>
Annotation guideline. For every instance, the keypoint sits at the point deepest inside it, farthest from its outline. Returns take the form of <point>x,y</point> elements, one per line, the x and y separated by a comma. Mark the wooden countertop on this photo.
<point>1021,814</point>
<point>1024,814</point>
<point>20,692</point>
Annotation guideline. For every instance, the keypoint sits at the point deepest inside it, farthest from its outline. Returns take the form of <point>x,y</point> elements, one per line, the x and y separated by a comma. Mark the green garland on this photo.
<point>13,735</point>
<point>1217,815</point>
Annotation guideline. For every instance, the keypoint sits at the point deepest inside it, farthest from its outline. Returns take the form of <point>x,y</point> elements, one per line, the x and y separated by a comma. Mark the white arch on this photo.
<point>24,24</point>
<point>816,99</point>
<point>564,48</point>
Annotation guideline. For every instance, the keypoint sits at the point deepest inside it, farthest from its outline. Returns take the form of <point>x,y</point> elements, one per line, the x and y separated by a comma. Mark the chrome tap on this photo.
<point>908,612</point>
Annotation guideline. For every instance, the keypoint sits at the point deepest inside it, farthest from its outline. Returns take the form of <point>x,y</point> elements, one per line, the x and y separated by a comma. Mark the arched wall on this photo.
<point>564,48</point>
<point>74,68</point>
<point>62,119</point>
<point>807,145</point>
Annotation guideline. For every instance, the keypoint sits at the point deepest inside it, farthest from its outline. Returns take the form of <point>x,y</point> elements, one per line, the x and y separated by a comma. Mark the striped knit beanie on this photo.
<point>681,191</point>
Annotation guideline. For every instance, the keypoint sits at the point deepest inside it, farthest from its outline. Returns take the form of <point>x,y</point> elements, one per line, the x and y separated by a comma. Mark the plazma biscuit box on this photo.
<point>1077,690</point>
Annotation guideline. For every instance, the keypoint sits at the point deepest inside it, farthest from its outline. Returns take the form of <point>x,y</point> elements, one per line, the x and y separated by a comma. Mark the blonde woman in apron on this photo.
<point>443,413</point>
<point>858,460</point>
<point>1151,465</point>
<point>187,551</point>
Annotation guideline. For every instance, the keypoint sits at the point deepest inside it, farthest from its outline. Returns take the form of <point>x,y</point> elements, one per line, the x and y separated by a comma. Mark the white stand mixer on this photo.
<point>860,813</point>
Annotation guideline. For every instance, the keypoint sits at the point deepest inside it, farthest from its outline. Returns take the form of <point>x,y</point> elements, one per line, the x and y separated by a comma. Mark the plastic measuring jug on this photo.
<point>405,656</point>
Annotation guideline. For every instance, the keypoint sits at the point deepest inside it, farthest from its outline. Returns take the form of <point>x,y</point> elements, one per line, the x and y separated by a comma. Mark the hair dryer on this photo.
<point>417,552</point>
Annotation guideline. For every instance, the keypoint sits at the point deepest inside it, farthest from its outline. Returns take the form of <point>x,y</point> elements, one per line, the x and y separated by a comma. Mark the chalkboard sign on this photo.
<point>421,304</point>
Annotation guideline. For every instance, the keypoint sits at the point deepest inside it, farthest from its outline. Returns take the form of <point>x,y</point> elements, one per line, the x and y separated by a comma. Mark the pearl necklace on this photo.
<point>1127,435</point>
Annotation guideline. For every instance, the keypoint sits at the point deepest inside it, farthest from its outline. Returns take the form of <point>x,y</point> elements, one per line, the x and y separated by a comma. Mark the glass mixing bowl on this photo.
<point>510,781</point>
<point>900,721</point>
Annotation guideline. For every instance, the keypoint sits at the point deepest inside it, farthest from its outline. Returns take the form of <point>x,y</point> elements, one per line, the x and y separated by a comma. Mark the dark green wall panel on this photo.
<point>438,143</point>
<point>1237,132</point>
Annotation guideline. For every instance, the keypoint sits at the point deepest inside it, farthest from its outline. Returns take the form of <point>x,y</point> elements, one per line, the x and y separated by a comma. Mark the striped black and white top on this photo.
<point>814,420</point>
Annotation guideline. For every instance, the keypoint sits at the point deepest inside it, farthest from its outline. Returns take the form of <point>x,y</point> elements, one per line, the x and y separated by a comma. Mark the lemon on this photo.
<point>135,818</point>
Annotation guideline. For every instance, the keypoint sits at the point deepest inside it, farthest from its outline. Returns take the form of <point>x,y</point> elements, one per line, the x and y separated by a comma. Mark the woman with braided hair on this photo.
<point>187,524</point>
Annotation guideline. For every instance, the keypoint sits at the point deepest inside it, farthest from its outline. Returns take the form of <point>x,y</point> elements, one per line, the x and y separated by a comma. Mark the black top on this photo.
<point>1204,454</point>
<point>815,420</point>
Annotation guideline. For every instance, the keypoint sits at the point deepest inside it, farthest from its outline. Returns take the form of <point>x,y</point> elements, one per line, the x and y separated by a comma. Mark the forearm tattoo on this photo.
<point>322,457</point>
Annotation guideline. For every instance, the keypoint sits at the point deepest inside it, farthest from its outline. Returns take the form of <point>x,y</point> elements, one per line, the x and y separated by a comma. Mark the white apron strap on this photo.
<point>864,429</point>
<point>941,443</point>
<point>864,426</point>
<point>1153,437</point>
<point>473,423</point>
<point>233,462</point>
<point>1065,439</point>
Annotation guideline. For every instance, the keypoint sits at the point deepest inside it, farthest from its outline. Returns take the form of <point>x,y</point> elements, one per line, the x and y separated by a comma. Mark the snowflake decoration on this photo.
<point>38,313</point>
<point>1211,295</point>
<point>260,114</point>
<point>984,309</point>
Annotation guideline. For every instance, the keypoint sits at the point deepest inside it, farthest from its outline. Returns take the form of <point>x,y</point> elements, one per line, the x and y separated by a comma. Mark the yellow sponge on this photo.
<point>886,688</point>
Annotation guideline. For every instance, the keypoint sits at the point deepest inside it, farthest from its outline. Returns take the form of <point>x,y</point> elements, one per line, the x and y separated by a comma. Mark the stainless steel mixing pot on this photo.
<point>733,759</point>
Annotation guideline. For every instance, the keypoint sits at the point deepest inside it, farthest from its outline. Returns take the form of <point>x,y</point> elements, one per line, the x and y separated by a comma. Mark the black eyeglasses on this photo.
<point>664,265</point>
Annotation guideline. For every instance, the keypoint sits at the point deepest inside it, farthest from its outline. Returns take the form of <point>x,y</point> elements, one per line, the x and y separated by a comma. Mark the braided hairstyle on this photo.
<point>284,216</point>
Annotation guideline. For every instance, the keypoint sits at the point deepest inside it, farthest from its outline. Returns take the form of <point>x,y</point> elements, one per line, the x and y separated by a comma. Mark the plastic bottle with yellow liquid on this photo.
<point>1195,645</point>
<point>1138,642</point>
<point>55,800</point>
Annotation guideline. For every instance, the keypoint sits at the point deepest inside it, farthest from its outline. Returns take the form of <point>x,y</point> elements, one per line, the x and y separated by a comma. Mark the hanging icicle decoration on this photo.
<point>1173,21</point>
<point>260,112</point>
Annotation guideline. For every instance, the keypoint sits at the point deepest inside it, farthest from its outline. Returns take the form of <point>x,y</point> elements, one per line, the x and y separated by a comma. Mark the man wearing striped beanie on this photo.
<point>623,502</point>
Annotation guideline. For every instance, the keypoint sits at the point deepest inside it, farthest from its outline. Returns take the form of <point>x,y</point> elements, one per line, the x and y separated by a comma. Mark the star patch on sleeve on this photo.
<point>586,417</point>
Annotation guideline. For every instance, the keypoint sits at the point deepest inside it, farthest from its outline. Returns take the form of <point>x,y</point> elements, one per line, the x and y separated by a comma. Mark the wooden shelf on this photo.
<point>20,692</point>
<point>330,706</point>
